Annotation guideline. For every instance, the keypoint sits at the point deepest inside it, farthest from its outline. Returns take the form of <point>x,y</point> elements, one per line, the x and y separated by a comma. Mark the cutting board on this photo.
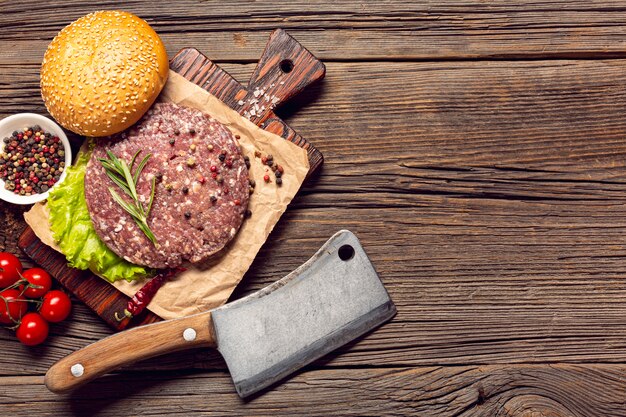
<point>284,70</point>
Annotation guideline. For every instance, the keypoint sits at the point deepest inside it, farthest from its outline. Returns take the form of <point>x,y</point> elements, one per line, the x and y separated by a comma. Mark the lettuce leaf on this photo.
<point>72,228</point>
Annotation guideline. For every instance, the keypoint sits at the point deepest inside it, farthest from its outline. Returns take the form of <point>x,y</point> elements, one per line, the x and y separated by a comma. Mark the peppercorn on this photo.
<point>191,162</point>
<point>213,168</point>
<point>264,160</point>
<point>266,178</point>
<point>280,168</point>
<point>185,190</point>
<point>237,202</point>
<point>187,215</point>
<point>177,132</point>
<point>172,141</point>
<point>257,154</point>
<point>23,153</point>
<point>210,147</point>
<point>159,177</point>
<point>220,179</point>
<point>237,137</point>
<point>278,174</point>
<point>192,131</point>
<point>213,199</point>
<point>252,183</point>
<point>192,147</point>
<point>279,181</point>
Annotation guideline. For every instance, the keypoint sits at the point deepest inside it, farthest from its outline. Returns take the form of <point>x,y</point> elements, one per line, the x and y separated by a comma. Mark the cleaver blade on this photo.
<point>322,305</point>
<point>333,298</point>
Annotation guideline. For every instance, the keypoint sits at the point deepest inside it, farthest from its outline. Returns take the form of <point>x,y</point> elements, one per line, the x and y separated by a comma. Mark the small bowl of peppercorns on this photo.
<point>34,153</point>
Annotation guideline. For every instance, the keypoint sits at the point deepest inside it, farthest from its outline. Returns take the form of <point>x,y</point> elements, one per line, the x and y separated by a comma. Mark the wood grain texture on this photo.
<point>464,391</point>
<point>348,30</point>
<point>488,190</point>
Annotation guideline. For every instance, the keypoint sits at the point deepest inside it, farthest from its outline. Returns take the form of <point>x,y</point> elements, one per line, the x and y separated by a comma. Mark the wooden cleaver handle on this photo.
<point>130,346</point>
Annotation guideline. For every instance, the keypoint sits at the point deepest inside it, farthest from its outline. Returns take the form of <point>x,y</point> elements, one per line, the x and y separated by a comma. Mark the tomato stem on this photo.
<point>6,304</point>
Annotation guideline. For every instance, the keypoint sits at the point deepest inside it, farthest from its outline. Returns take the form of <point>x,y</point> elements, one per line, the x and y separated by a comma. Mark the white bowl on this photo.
<point>19,122</point>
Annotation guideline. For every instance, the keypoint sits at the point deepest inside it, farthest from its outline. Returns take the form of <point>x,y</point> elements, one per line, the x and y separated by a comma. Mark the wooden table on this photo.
<point>478,149</point>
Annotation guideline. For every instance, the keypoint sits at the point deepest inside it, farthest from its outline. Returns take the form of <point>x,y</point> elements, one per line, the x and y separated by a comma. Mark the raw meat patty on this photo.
<point>196,211</point>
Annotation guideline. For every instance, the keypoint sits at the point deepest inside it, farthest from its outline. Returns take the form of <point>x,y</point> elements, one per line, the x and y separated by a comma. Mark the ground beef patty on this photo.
<point>201,193</point>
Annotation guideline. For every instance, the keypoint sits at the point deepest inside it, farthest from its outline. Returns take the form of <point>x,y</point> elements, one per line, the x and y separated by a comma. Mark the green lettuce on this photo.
<point>72,228</point>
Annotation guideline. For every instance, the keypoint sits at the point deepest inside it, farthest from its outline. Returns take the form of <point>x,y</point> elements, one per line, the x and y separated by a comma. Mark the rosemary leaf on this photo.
<point>114,161</point>
<point>132,162</point>
<point>144,228</point>
<point>142,164</point>
<point>153,187</point>
<point>129,208</point>
<point>119,182</point>
<point>121,174</point>
<point>107,165</point>
<point>131,184</point>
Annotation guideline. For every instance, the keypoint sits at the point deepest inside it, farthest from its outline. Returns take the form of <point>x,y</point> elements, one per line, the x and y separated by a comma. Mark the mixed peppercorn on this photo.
<point>32,161</point>
<point>278,170</point>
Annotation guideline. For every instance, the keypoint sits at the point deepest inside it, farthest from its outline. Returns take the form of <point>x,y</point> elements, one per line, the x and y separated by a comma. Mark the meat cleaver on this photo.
<point>330,300</point>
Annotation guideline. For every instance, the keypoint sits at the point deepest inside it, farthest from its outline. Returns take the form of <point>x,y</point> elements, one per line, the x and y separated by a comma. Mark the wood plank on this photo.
<point>490,196</point>
<point>352,30</point>
<point>546,390</point>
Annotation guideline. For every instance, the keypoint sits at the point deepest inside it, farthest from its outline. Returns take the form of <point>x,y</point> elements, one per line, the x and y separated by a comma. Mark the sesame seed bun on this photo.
<point>101,73</point>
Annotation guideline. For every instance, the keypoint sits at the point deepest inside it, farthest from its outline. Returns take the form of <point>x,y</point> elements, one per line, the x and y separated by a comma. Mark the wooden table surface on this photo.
<point>478,149</point>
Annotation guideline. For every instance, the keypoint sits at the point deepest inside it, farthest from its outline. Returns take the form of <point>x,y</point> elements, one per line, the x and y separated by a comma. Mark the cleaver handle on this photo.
<point>130,346</point>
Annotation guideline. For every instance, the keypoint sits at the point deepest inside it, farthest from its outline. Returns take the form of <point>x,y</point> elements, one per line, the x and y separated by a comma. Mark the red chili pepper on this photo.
<point>142,298</point>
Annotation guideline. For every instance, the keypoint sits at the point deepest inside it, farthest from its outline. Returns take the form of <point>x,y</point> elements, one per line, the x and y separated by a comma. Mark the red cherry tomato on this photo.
<point>56,306</point>
<point>16,306</point>
<point>33,330</point>
<point>10,269</point>
<point>39,278</point>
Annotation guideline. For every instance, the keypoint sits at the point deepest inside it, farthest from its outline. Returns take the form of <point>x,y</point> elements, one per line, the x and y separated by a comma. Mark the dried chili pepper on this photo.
<point>146,293</point>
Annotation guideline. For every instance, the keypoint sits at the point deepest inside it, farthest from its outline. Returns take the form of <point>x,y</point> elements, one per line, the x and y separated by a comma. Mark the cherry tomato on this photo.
<point>40,278</point>
<point>56,306</point>
<point>10,269</point>
<point>33,330</point>
<point>16,306</point>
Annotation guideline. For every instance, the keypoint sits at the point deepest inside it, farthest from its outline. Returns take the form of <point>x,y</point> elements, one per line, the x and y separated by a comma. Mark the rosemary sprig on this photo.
<point>120,173</point>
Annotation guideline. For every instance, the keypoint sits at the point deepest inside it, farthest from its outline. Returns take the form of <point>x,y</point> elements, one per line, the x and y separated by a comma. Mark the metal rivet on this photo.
<point>77,370</point>
<point>189,334</point>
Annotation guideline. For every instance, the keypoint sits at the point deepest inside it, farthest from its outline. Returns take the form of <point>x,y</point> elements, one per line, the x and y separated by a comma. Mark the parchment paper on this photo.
<point>198,290</point>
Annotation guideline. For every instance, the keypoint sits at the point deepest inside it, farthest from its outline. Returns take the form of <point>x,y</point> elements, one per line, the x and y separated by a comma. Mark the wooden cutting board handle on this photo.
<point>284,70</point>
<point>128,347</point>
